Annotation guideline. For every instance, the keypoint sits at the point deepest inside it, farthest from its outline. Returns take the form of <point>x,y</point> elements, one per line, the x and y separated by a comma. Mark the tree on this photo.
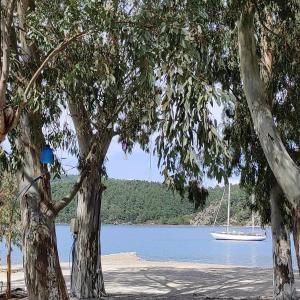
<point>113,101</point>
<point>43,275</point>
<point>6,118</point>
<point>10,115</point>
<point>279,144</point>
<point>284,287</point>
<point>248,154</point>
<point>107,82</point>
<point>216,45</point>
<point>9,225</point>
<point>42,271</point>
<point>285,169</point>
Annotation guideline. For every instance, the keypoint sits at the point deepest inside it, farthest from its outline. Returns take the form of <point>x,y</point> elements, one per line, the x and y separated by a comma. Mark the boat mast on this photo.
<point>228,208</point>
<point>252,198</point>
<point>223,197</point>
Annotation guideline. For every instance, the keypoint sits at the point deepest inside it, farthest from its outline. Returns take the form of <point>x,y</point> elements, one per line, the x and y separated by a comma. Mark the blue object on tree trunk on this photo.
<point>47,156</point>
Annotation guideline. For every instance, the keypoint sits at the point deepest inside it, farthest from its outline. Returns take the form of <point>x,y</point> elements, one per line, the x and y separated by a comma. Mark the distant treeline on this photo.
<point>141,202</point>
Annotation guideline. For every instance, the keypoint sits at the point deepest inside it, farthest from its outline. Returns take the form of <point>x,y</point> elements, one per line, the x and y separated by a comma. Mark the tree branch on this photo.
<point>90,158</point>
<point>33,79</point>
<point>68,198</point>
<point>52,54</point>
<point>81,118</point>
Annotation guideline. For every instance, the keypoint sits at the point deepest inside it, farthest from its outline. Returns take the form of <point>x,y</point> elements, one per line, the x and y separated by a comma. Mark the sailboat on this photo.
<point>234,235</point>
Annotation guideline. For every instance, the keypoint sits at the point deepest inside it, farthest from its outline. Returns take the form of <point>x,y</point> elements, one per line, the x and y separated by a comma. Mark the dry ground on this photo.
<point>129,277</point>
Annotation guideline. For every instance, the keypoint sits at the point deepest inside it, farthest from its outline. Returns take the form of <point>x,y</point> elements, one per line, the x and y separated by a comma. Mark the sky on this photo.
<point>138,165</point>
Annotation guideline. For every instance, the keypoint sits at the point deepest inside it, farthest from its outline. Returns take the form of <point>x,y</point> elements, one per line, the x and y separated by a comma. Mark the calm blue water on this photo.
<point>178,243</point>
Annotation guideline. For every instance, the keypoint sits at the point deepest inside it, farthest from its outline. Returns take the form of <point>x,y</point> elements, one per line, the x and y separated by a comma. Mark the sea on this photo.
<point>169,243</point>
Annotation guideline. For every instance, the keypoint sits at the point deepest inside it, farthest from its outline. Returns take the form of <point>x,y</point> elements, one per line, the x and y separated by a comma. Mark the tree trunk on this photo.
<point>86,277</point>
<point>285,170</point>
<point>43,275</point>
<point>6,115</point>
<point>8,271</point>
<point>283,276</point>
<point>296,234</point>
<point>8,262</point>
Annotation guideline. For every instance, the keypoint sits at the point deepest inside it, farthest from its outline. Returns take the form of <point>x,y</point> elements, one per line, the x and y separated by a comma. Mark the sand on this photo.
<point>129,277</point>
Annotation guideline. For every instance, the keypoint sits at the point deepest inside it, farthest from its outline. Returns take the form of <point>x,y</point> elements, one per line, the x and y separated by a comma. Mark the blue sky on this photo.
<point>138,165</point>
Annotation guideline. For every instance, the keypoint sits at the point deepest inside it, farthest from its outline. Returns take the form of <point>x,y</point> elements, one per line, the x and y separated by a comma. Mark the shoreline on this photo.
<point>15,267</point>
<point>189,262</point>
<point>127,276</point>
<point>174,225</point>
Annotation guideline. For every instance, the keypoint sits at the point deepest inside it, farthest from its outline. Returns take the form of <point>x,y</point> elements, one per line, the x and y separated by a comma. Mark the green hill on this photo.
<point>140,202</point>
<point>240,213</point>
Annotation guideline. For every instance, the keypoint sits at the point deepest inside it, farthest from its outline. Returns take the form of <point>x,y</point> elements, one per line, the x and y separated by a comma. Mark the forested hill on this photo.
<point>140,202</point>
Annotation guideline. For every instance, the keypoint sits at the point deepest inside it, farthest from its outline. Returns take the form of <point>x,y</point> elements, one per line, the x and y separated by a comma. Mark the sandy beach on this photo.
<point>129,277</point>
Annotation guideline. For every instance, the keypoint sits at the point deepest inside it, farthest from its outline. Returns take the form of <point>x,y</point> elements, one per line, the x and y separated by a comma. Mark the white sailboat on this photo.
<point>234,235</point>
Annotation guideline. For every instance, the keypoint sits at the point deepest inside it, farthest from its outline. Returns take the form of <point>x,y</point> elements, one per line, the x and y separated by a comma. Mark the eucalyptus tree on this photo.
<point>257,178</point>
<point>7,11</point>
<point>38,236</point>
<point>277,38</point>
<point>42,271</point>
<point>10,114</point>
<point>9,221</point>
<point>285,169</point>
<point>108,84</point>
<point>114,101</point>
<point>282,153</point>
<point>214,46</point>
<point>276,29</point>
<point>31,52</point>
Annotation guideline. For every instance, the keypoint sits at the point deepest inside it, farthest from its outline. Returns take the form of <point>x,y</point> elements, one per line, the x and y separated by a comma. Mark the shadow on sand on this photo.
<point>174,283</point>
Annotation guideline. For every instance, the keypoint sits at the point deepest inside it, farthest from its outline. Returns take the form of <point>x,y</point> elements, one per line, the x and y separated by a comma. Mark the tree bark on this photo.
<point>8,271</point>
<point>285,170</point>
<point>6,114</point>
<point>8,254</point>
<point>283,276</point>
<point>86,277</point>
<point>296,234</point>
<point>43,275</point>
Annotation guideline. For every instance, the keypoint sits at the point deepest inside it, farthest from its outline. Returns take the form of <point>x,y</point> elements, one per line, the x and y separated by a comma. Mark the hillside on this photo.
<point>239,210</point>
<point>140,202</point>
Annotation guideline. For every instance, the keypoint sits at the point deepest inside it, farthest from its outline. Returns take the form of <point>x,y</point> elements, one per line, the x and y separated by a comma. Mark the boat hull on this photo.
<point>233,236</point>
